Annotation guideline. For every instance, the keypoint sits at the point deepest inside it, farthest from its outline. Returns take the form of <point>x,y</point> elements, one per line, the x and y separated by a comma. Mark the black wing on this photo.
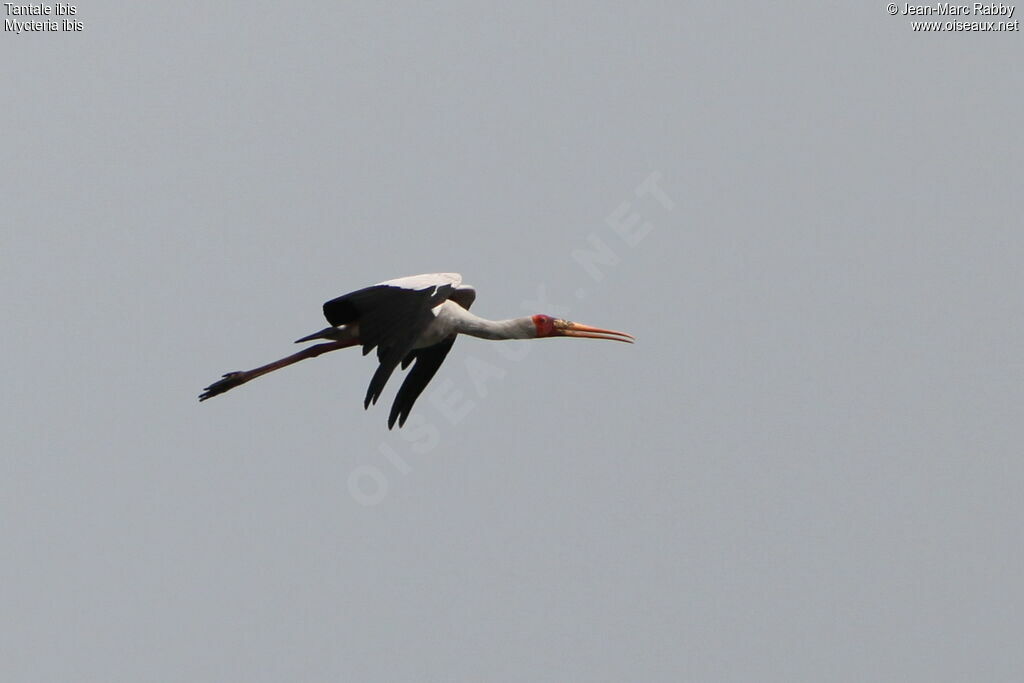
<point>391,317</point>
<point>428,361</point>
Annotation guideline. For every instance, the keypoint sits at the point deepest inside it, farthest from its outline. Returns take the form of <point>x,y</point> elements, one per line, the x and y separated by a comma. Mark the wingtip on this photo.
<point>396,416</point>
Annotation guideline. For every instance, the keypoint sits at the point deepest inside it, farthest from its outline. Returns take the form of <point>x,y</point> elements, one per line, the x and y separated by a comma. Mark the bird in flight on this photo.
<point>410,320</point>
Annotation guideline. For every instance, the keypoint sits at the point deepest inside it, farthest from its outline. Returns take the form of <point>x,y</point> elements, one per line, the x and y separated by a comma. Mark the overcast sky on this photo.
<point>808,467</point>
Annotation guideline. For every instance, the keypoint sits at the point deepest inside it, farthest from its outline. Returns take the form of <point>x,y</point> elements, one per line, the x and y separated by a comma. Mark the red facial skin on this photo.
<point>545,325</point>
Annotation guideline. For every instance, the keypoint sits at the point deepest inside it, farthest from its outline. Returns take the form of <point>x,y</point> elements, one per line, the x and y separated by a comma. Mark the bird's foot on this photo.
<point>229,381</point>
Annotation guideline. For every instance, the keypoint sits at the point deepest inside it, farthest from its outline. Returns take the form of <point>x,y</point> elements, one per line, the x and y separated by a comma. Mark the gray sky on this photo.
<point>806,469</point>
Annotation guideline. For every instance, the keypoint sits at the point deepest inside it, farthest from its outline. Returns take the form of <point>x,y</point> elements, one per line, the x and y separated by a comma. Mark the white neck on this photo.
<point>475,326</point>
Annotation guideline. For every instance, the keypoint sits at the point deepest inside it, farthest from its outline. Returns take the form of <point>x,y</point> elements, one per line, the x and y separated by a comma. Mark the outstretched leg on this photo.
<point>233,379</point>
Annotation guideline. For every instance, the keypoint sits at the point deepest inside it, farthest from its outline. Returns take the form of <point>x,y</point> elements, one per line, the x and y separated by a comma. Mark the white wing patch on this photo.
<point>424,281</point>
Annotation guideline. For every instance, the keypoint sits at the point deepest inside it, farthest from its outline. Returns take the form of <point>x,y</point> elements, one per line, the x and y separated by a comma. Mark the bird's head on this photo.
<point>546,326</point>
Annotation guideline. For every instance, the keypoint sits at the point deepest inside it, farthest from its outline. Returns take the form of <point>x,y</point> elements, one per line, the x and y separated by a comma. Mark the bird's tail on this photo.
<point>342,333</point>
